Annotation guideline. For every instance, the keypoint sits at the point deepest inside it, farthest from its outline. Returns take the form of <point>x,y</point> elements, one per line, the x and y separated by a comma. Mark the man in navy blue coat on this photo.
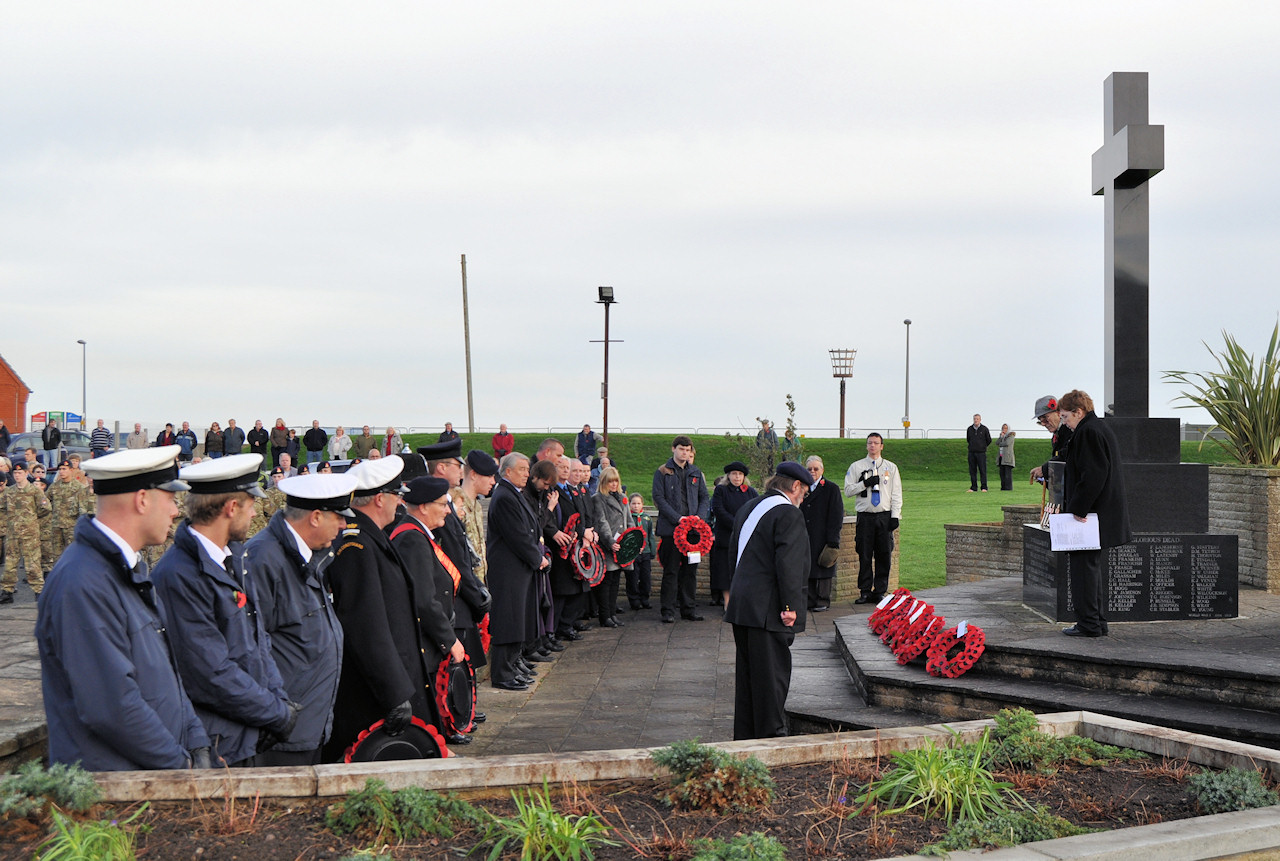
<point>112,695</point>
<point>679,491</point>
<point>770,554</point>
<point>222,649</point>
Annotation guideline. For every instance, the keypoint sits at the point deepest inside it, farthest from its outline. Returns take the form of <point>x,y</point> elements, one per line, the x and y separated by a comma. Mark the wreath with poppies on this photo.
<point>693,535</point>
<point>897,631</point>
<point>455,689</point>
<point>915,640</point>
<point>883,616</point>
<point>570,528</point>
<point>588,563</point>
<point>485,639</point>
<point>942,663</point>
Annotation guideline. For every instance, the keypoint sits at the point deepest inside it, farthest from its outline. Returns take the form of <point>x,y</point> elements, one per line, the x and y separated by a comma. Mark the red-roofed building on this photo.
<point>13,399</point>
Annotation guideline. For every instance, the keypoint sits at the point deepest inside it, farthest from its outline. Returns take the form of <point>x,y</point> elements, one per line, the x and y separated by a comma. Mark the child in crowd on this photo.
<point>639,575</point>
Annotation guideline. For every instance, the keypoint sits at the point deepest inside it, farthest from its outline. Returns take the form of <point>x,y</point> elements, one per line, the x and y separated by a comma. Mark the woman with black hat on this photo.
<point>730,495</point>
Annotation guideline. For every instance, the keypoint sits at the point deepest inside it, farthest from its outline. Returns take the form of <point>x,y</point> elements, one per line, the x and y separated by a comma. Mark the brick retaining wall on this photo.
<point>1246,502</point>
<point>977,551</point>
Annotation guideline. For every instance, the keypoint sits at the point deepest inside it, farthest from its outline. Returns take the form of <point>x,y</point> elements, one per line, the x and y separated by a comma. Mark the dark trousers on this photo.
<point>874,540</point>
<point>820,591</point>
<point>502,661</point>
<point>1088,593</point>
<point>276,451</point>
<point>1006,477</point>
<point>762,677</point>
<point>569,609</point>
<point>679,579</point>
<point>977,464</point>
<point>639,582</point>
<point>606,594</point>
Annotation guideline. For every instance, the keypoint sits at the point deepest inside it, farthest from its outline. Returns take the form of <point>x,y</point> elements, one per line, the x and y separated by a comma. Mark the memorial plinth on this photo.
<point>1155,577</point>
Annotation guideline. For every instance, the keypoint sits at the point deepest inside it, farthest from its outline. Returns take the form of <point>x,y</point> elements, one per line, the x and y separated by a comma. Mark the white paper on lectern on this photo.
<point>1067,533</point>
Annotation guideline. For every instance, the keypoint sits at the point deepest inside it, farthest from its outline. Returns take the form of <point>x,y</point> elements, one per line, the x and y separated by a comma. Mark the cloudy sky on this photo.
<point>258,210</point>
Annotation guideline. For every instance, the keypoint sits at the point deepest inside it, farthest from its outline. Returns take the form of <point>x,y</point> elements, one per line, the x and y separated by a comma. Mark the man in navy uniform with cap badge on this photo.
<point>220,644</point>
<point>770,554</point>
<point>385,669</point>
<point>112,694</point>
<point>288,559</point>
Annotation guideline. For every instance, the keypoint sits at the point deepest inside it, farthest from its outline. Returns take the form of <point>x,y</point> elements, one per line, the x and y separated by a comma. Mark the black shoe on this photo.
<point>617,610</point>
<point>668,619</point>
<point>691,617</point>
<point>527,681</point>
<point>539,657</point>
<point>581,626</point>
<point>819,609</point>
<point>555,646</point>
<point>458,739</point>
<point>862,599</point>
<point>6,597</point>
<point>1074,631</point>
<point>635,605</point>
<point>616,623</point>
<point>645,605</point>
<point>510,686</point>
<point>876,597</point>
<point>571,636</point>
<point>608,623</point>
<point>479,717</point>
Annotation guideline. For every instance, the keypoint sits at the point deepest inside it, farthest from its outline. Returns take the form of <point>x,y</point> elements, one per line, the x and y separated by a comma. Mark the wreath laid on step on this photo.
<point>942,663</point>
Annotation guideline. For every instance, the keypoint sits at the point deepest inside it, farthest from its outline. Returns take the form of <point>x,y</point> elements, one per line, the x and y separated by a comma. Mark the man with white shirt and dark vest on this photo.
<point>876,485</point>
<point>770,557</point>
<point>219,641</point>
<point>112,694</point>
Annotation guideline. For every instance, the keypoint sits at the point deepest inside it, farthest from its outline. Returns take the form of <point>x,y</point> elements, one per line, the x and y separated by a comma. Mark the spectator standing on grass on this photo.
<point>137,439</point>
<point>1004,457</point>
<point>101,441</point>
<point>448,434</point>
<point>233,439</point>
<point>213,441</point>
<point>503,443</point>
<point>585,444</point>
<point>315,440</point>
<point>258,439</point>
<point>166,437</point>
<point>186,442</point>
<point>339,444</point>
<point>392,443</point>
<point>279,441</point>
<point>767,441</point>
<point>293,447</point>
<point>363,444</point>
<point>979,439</point>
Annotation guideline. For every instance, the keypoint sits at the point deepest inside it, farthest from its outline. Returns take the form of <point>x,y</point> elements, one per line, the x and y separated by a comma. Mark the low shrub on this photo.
<point>1019,743</point>
<point>31,788</point>
<point>1004,829</point>
<point>1232,789</point>
<point>543,833</point>
<point>952,782</point>
<point>742,847</point>
<point>706,777</point>
<point>381,816</point>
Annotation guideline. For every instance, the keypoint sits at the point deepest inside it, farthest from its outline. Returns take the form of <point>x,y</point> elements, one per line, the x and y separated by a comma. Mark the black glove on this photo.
<point>893,524</point>
<point>287,730</point>
<point>486,601</point>
<point>200,758</point>
<point>397,720</point>
<point>872,480</point>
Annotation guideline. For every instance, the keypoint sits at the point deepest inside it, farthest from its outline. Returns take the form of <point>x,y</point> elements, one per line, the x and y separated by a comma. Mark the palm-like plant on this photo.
<point>1242,397</point>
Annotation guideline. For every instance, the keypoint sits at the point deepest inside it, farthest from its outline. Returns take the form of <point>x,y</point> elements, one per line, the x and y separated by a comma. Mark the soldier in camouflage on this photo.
<point>23,505</point>
<point>69,499</point>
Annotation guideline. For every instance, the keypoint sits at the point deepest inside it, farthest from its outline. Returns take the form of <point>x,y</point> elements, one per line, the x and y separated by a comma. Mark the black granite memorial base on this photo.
<point>1156,577</point>
<point>1167,497</point>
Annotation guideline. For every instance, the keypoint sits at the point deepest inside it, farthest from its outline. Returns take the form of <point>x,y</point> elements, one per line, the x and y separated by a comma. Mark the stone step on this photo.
<point>882,682</point>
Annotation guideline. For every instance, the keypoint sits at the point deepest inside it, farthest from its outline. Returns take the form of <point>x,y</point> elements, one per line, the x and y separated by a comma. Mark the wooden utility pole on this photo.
<point>466,340</point>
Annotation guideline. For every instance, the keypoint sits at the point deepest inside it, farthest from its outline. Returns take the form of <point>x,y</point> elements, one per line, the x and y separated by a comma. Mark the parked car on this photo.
<point>73,442</point>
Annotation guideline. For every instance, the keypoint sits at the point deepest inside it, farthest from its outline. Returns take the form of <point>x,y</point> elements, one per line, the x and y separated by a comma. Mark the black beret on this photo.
<point>791,469</point>
<point>427,488</point>
<point>737,466</point>
<point>481,462</point>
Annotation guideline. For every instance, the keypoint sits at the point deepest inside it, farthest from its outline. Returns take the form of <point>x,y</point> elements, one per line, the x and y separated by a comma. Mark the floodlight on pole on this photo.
<point>842,369</point>
<point>84,386</point>
<point>606,299</point>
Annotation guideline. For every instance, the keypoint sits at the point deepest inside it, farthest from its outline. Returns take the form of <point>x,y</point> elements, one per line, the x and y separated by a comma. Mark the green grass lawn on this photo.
<point>935,476</point>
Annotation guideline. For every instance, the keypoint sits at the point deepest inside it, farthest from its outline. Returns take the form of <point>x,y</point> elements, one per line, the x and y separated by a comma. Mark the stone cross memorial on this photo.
<point>1173,569</point>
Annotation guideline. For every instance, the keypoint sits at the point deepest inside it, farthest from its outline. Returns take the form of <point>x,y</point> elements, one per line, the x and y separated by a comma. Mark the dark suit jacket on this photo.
<point>773,572</point>
<point>823,511</point>
<point>1095,481</point>
<point>514,556</point>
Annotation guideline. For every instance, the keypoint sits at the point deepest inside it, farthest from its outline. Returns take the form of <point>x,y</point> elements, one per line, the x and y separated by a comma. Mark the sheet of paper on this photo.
<point>1067,533</point>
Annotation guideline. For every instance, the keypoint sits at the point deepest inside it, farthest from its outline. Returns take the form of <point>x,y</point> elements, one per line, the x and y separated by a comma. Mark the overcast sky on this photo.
<point>255,210</point>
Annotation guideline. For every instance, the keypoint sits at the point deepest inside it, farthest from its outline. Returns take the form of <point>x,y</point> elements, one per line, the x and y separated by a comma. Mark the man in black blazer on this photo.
<point>770,554</point>
<point>823,511</point>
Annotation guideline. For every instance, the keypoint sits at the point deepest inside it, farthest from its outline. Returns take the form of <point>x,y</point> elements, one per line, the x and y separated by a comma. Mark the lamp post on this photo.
<point>906,402</point>
<point>84,374</point>
<point>842,369</point>
<point>606,299</point>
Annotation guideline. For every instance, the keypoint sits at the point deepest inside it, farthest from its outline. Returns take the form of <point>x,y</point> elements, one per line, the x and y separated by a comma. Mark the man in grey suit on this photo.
<point>767,599</point>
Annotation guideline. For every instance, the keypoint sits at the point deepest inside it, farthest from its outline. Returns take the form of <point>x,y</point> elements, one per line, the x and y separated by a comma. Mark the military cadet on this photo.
<point>444,460</point>
<point>479,475</point>
<point>112,695</point>
<point>221,647</point>
<point>415,536</point>
<point>24,505</point>
<point>275,499</point>
<point>69,499</point>
<point>288,561</point>
<point>384,663</point>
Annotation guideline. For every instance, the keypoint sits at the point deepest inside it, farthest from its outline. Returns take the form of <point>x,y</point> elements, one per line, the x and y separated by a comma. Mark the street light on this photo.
<point>906,402</point>
<point>842,369</point>
<point>84,373</point>
<point>606,299</point>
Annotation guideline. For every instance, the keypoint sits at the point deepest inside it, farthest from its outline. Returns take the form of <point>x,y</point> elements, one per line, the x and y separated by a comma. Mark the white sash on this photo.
<point>753,520</point>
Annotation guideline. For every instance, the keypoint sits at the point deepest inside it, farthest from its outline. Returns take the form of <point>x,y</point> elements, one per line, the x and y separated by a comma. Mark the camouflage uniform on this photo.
<point>23,507</point>
<point>262,511</point>
<point>69,501</point>
<point>473,523</point>
<point>153,553</point>
<point>274,502</point>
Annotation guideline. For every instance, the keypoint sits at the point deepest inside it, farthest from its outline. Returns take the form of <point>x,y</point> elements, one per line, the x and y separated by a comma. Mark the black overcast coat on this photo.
<point>514,555</point>
<point>823,511</point>
<point>1095,480</point>
<point>773,573</point>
